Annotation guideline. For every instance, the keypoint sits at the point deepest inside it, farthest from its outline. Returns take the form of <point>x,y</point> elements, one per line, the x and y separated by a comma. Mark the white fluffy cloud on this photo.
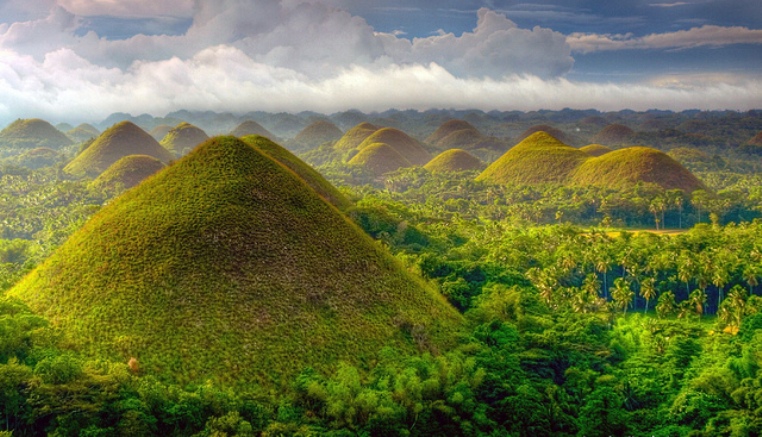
<point>704,36</point>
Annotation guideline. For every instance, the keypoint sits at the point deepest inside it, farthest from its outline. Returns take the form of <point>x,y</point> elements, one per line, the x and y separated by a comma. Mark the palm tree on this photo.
<point>697,299</point>
<point>622,294</point>
<point>647,291</point>
<point>666,304</point>
<point>733,308</point>
<point>750,275</point>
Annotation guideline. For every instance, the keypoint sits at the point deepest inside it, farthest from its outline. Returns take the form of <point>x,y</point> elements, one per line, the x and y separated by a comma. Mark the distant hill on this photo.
<point>182,138</point>
<point>450,127</point>
<point>317,133</point>
<point>128,172</point>
<point>82,133</point>
<point>595,149</point>
<point>408,147</point>
<point>314,179</point>
<point>539,158</point>
<point>122,139</point>
<point>625,167</point>
<point>553,131</point>
<point>227,267</point>
<point>159,132</point>
<point>757,140</point>
<point>614,134</point>
<point>380,158</point>
<point>355,136</point>
<point>251,127</point>
<point>454,160</point>
<point>32,133</point>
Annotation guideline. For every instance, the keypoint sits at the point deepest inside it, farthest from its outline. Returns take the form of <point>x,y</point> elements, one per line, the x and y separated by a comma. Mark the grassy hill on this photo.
<point>128,172</point>
<point>408,147</point>
<point>302,169</point>
<point>450,127</point>
<point>226,266</point>
<point>122,139</point>
<point>625,167</point>
<point>182,138</point>
<point>552,131</point>
<point>32,133</point>
<point>160,131</point>
<point>540,158</point>
<point>756,140</point>
<point>380,158</point>
<point>454,160</point>
<point>596,149</point>
<point>355,136</point>
<point>251,127</point>
<point>82,132</point>
<point>317,133</point>
<point>614,134</point>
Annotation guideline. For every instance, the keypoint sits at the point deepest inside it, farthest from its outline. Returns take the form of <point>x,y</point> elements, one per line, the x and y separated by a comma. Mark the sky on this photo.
<point>81,60</point>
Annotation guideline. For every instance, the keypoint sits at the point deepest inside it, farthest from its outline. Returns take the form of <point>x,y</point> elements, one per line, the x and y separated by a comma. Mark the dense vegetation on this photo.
<point>587,310</point>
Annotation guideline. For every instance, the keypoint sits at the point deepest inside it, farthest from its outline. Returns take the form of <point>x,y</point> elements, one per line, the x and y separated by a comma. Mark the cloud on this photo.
<point>129,8</point>
<point>66,87</point>
<point>704,36</point>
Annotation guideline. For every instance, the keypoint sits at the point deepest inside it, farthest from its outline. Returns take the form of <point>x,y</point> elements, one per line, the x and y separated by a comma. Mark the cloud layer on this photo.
<point>294,55</point>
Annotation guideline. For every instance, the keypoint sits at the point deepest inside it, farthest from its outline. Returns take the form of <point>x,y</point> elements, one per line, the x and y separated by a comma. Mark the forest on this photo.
<point>584,309</point>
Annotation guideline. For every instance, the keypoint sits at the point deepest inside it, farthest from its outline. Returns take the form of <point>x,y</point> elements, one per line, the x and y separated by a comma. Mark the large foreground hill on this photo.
<point>227,266</point>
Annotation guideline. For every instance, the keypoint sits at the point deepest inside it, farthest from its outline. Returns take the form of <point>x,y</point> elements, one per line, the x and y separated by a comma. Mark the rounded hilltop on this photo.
<point>128,172</point>
<point>548,129</point>
<point>355,136</point>
<point>120,140</point>
<point>539,158</point>
<point>251,127</point>
<point>380,158</point>
<point>454,160</point>
<point>455,134</point>
<point>409,148</point>
<point>32,133</point>
<point>614,134</point>
<point>227,267</point>
<point>626,167</point>
<point>317,133</point>
<point>182,138</point>
<point>83,132</point>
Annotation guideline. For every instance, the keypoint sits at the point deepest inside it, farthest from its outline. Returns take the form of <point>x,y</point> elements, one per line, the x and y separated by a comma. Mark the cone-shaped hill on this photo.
<point>450,127</point>
<point>182,138</point>
<point>32,133</point>
<point>122,139</point>
<point>454,160</point>
<point>83,132</point>
<point>317,133</point>
<point>626,167</point>
<point>128,172</point>
<point>380,158</point>
<point>614,134</point>
<point>540,158</point>
<point>408,147</point>
<point>552,131</point>
<point>595,149</point>
<point>756,140</point>
<point>314,179</point>
<point>355,136</point>
<point>226,266</point>
<point>251,127</point>
<point>159,132</point>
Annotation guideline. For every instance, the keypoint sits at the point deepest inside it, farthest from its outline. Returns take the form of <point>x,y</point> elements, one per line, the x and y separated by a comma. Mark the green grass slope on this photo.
<point>317,133</point>
<point>626,167</point>
<point>83,132</point>
<point>454,160</point>
<point>122,139</point>
<point>251,127</point>
<point>540,158</point>
<point>408,147</point>
<point>226,266</point>
<point>596,149</point>
<point>355,136</point>
<point>552,131</point>
<point>380,158</point>
<point>128,172</point>
<point>32,133</point>
<point>159,132</point>
<point>182,138</point>
<point>301,168</point>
